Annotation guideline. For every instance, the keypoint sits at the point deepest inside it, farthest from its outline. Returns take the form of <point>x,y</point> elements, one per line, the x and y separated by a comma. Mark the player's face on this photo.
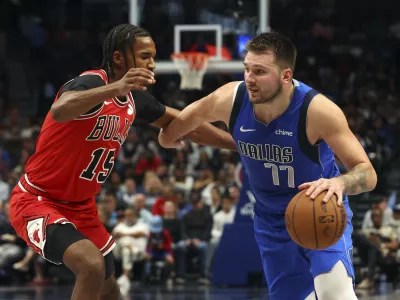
<point>145,51</point>
<point>263,77</point>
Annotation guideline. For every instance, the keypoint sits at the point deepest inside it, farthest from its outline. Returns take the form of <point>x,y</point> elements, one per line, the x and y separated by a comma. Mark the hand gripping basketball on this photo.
<point>135,79</point>
<point>332,185</point>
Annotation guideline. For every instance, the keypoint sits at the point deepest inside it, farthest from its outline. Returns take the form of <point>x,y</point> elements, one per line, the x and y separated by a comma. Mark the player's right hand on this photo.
<point>135,79</point>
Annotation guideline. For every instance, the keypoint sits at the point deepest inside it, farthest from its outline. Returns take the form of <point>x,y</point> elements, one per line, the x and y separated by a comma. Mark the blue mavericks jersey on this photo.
<point>278,156</point>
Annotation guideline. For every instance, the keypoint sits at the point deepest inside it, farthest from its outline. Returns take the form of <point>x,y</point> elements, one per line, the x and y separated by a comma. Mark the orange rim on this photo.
<point>195,60</point>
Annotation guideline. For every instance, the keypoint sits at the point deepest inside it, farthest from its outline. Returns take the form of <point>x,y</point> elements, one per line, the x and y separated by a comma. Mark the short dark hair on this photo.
<point>282,47</point>
<point>119,39</point>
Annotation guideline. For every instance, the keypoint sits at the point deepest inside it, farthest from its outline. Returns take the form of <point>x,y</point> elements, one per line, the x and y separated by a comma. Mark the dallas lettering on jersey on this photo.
<point>107,127</point>
<point>267,152</point>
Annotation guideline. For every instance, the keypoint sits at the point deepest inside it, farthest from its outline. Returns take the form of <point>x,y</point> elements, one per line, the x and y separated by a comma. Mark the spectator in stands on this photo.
<point>130,151</point>
<point>5,162</point>
<point>159,247</point>
<point>153,187</point>
<point>149,161</point>
<point>112,207</point>
<point>395,224</point>
<point>377,247</point>
<point>180,161</point>
<point>181,204</point>
<point>204,162</point>
<point>183,182</point>
<point>215,205</point>
<point>225,216</point>
<point>196,234</point>
<point>234,192</point>
<point>380,201</point>
<point>131,239</point>
<point>172,223</point>
<point>128,191</point>
<point>206,178</point>
<point>162,173</point>
<point>168,195</point>
<point>4,188</point>
<point>104,217</point>
<point>113,184</point>
<point>140,206</point>
<point>12,248</point>
<point>39,266</point>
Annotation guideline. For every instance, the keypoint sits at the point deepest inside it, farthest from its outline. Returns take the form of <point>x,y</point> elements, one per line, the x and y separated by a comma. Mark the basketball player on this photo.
<point>53,206</point>
<point>287,134</point>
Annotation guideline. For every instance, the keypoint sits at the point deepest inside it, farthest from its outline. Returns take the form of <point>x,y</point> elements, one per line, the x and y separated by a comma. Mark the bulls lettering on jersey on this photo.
<point>278,155</point>
<point>73,158</point>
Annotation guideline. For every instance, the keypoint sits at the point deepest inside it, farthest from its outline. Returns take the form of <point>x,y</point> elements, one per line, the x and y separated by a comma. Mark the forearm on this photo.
<point>181,126</point>
<point>192,124</point>
<point>138,234</point>
<point>117,235</point>
<point>207,134</point>
<point>73,104</point>
<point>392,245</point>
<point>362,178</point>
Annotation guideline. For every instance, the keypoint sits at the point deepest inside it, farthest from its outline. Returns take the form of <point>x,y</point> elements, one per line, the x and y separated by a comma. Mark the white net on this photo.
<point>191,66</point>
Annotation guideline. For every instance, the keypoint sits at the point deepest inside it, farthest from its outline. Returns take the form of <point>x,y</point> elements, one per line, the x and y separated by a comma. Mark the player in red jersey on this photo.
<point>53,206</point>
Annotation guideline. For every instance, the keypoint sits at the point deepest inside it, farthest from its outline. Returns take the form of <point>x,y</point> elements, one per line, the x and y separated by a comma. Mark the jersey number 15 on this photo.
<point>101,176</point>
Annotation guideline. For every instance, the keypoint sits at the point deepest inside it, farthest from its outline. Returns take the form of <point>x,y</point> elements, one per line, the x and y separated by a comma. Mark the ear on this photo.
<point>287,75</point>
<point>119,60</point>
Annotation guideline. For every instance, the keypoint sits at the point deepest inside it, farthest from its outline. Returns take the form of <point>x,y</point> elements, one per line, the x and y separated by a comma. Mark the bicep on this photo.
<point>82,83</point>
<point>333,128</point>
<point>217,106</point>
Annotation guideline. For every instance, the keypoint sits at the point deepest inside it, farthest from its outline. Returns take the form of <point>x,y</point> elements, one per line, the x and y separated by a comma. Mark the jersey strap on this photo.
<point>237,105</point>
<point>311,151</point>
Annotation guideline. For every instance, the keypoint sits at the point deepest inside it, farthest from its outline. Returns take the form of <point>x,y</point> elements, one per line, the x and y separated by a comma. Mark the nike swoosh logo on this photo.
<point>246,130</point>
<point>107,102</point>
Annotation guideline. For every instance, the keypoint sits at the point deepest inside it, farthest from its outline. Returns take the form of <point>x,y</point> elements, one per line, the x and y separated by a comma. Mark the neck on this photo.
<point>266,112</point>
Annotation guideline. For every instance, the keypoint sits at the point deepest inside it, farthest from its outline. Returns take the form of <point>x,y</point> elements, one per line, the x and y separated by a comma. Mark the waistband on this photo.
<point>31,188</point>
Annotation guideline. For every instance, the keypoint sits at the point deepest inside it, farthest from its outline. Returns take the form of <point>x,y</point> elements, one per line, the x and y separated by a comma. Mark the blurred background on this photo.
<point>348,50</point>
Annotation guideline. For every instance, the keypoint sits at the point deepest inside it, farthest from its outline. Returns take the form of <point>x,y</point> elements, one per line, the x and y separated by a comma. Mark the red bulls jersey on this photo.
<point>74,158</point>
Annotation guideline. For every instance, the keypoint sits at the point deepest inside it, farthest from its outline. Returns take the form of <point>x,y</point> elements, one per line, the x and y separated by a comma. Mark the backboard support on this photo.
<point>216,63</point>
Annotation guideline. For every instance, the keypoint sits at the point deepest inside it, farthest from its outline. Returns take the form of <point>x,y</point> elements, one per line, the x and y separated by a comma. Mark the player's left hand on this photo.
<point>332,185</point>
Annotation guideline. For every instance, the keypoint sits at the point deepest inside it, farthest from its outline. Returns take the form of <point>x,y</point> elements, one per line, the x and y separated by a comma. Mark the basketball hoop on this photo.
<point>191,66</point>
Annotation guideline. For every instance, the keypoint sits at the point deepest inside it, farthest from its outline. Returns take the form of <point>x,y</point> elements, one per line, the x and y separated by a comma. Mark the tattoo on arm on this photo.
<point>356,180</point>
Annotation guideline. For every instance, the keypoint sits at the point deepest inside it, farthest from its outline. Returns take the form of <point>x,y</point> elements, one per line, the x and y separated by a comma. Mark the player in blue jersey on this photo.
<point>287,134</point>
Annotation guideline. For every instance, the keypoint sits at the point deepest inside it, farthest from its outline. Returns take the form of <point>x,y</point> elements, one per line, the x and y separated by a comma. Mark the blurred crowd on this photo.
<point>378,243</point>
<point>168,208</point>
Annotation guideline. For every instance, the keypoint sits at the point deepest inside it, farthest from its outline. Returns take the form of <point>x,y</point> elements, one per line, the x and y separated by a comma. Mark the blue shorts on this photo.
<point>289,268</point>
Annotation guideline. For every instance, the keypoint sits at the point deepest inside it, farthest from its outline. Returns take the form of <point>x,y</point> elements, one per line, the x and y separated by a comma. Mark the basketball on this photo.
<point>313,224</point>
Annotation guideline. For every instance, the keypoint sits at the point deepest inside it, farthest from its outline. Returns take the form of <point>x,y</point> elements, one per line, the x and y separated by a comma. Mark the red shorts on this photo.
<point>31,214</point>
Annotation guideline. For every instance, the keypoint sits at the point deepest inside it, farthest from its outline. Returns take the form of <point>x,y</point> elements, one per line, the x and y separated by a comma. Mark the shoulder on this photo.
<point>227,91</point>
<point>83,82</point>
<point>89,79</point>
<point>324,115</point>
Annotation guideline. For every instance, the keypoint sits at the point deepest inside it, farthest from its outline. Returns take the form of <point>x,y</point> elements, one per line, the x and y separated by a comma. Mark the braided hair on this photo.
<point>119,39</point>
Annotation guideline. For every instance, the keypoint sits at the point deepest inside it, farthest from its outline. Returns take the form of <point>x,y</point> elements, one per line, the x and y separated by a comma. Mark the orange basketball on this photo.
<point>313,224</point>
